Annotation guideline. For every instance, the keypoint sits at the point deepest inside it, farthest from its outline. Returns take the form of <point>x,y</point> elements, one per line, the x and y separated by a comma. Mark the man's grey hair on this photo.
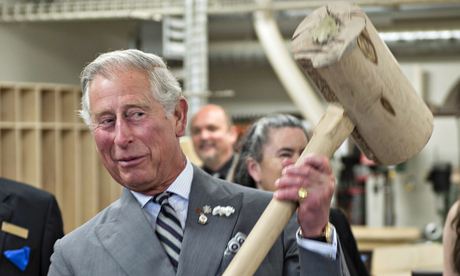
<point>164,86</point>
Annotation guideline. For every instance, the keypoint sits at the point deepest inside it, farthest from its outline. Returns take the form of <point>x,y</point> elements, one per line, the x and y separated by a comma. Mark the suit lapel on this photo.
<point>203,245</point>
<point>131,241</point>
<point>6,211</point>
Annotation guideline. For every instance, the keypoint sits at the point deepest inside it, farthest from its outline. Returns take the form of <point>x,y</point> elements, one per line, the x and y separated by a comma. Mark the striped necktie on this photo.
<point>168,228</point>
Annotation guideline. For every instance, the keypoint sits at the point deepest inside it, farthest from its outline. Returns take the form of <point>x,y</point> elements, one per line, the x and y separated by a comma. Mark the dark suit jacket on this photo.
<point>121,241</point>
<point>35,210</point>
<point>348,243</point>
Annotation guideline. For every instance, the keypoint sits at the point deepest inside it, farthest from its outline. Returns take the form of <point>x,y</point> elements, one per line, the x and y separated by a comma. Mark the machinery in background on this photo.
<point>365,191</point>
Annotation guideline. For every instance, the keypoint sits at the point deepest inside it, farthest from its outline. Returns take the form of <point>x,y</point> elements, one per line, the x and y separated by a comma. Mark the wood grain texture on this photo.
<point>355,68</point>
<point>45,144</point>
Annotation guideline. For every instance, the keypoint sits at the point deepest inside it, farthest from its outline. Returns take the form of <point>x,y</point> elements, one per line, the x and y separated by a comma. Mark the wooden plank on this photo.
<point>48,159</point>
<point>90,199</point>
<point>58,164</point>
<point>7,103</point>
<point>68,106</point>
<point>68,168</point>
<point>44,143</point>
<point>28,105</point>
<point>78,180</point>
<point>369,238</point>
<point>48,104</point>
<point>29,157</point>
<point>9,155</point>
<point>386,233</point>
<point>406,258</point>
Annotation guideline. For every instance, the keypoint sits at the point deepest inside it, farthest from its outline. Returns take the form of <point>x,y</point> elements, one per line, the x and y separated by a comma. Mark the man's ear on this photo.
<point>180,116</point>
<point>253,169</point>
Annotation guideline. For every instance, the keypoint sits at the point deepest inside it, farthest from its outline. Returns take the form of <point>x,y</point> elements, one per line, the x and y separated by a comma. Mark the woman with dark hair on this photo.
<point>273,142</point>
<point>451,243</point>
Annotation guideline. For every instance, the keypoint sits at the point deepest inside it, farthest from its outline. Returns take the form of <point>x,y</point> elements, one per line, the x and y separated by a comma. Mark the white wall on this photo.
<point>56,52</point>
<point>416,203</point>
<point>440,76</point>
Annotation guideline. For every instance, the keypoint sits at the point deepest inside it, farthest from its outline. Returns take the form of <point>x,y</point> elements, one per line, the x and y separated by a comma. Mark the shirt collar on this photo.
<point>180,186</point>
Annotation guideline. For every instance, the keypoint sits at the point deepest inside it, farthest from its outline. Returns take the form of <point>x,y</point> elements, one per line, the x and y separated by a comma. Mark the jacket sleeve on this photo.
<point>59,266</point>
<point>312,263</point>
<point>300,261</point>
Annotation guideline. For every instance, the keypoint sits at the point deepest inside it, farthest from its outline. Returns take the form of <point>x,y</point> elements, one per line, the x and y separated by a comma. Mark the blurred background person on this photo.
<point>271,143</point>
<point>450,241</point>
<point>30,224</point>
<point>214,137</point>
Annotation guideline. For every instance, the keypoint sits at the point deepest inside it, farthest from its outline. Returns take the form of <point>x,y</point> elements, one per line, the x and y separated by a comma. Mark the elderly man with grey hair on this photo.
<point>172,218</point>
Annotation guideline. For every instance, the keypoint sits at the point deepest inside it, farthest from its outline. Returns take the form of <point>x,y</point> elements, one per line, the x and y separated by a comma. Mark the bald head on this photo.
<point>213,136</point>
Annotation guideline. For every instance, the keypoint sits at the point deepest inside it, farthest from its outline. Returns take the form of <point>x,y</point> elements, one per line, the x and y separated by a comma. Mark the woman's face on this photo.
<point>282,143</point>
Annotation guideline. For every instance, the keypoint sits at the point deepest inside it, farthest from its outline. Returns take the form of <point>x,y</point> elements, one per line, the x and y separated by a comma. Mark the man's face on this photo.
<point>212,137</point>
<point>283,143</point>
<point>136,139</point>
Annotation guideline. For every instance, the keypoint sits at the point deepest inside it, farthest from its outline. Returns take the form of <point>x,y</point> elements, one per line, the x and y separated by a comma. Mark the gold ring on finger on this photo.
<point>302,193</point>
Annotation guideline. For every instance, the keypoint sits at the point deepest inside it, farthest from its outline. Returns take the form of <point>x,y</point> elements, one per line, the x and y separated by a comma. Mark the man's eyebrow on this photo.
<point>101,113</point>
<point>136,105</point>
<point>126,107</point>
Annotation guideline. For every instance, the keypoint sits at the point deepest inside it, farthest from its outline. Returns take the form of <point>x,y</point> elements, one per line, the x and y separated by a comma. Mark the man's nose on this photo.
<point>205,134</point>
<point>123,133</point>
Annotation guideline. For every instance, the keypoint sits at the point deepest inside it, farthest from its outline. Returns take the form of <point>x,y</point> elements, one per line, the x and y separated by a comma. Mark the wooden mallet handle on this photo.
<point>333,128</point>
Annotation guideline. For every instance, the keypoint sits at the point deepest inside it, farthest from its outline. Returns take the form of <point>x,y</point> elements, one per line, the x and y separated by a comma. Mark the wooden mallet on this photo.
<point>341,52</point>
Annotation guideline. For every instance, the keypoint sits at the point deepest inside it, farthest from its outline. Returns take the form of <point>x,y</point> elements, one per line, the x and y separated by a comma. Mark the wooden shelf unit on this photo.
<point>44,143</point>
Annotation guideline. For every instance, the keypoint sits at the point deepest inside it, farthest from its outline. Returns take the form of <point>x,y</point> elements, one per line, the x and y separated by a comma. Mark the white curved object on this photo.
<point>293,80</point>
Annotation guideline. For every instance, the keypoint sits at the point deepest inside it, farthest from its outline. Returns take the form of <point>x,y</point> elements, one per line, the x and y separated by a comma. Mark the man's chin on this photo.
<point>207,158</point>
<point>133,182</point>
<point>136,187</point>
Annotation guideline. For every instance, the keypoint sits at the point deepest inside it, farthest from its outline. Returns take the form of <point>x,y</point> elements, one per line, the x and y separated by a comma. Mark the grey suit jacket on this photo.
<point>121,241</point>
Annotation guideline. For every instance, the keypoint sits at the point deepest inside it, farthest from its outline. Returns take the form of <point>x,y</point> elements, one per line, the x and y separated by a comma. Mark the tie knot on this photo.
<point>162,198</point>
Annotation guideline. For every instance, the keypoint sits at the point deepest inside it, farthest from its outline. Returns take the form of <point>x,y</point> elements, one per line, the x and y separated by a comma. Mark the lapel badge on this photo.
<point>216,211</point>
<point>19,257</point>
<point>207,209</point>
<point>15,230</point>
<point>223,211</point>
<point>202,219</point>
<point>235,243</point>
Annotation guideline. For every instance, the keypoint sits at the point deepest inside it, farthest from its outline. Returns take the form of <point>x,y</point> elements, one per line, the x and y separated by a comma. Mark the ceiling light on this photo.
<point>420,35</point>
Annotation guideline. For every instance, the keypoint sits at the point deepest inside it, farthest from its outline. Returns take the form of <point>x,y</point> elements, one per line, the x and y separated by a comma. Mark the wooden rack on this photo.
<point>44,143</point>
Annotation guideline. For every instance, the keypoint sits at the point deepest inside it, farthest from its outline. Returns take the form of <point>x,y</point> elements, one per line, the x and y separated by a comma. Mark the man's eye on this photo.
<point>137,115</point>
<point>133,113</point>
<point>106,121</point>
